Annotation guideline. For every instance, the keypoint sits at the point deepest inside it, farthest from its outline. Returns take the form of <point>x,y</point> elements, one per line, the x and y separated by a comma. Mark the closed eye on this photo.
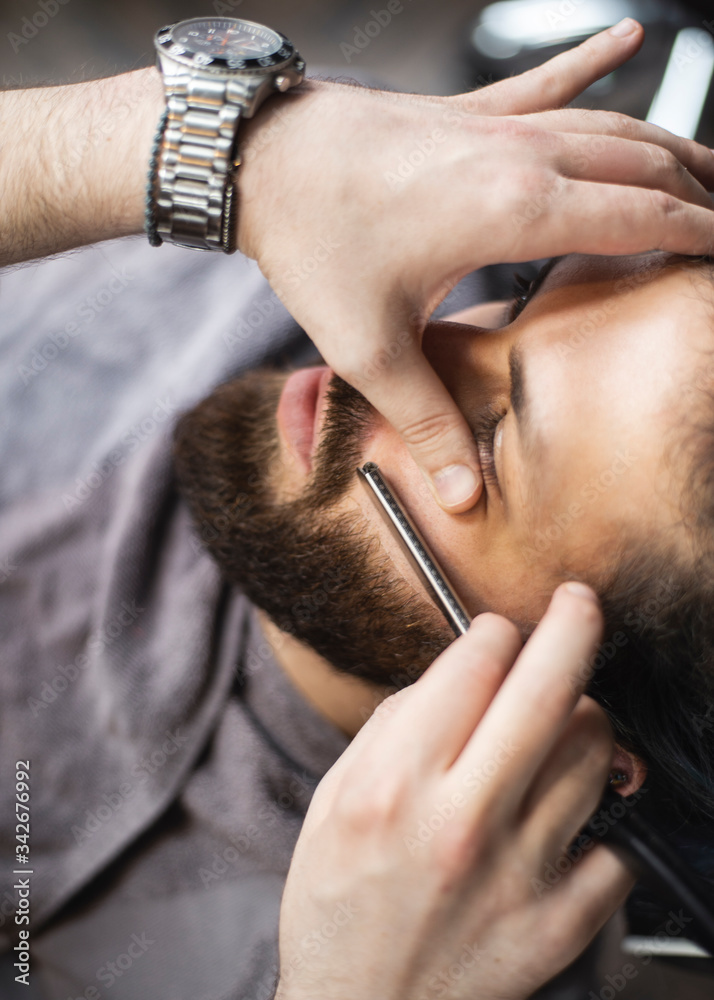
<point>484,431</point>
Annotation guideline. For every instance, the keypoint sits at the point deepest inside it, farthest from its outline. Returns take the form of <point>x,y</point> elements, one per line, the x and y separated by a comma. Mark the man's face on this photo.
<point>588,385</point>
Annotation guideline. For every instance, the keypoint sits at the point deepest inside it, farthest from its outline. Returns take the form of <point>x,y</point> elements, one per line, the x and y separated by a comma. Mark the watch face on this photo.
<point>224,43</point>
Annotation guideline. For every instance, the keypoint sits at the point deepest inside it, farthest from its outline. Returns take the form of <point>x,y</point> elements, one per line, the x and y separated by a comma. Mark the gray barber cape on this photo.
<point>171,761</point>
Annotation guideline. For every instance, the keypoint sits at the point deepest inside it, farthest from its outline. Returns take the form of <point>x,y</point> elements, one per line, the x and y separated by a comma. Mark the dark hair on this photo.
<point>654,673</point>
<point>654,676</point>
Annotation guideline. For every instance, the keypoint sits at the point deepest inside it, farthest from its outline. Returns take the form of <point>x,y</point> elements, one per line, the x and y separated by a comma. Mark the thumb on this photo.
<point>561,79</point>
<point>417,404</point>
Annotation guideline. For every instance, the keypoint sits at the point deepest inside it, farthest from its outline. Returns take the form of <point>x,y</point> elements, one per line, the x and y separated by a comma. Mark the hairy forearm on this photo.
<point>73,162</point>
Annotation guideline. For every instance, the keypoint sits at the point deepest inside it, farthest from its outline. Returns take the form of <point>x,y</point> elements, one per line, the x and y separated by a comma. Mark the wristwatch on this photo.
<point>216,71</point>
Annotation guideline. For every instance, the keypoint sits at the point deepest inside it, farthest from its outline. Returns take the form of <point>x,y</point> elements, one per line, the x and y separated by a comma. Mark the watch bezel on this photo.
<point>220,64</point>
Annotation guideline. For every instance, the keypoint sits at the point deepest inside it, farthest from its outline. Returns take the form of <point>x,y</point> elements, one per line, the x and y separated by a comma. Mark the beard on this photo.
<point>321,576</point>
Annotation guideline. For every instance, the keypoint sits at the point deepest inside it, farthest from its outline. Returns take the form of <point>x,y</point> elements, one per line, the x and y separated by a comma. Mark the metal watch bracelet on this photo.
<point>194,185</point>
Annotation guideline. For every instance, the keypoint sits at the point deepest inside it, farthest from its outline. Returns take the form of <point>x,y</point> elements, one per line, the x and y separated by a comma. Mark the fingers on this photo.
<point>561,79</point>
<point>450,699</point>
<point>587,217</point>
<point>581,901</point>
<point>617,161</point>
<point>568,788</point>
<point>692,155</point>
<point>415,401</point>
<point>534,703</point>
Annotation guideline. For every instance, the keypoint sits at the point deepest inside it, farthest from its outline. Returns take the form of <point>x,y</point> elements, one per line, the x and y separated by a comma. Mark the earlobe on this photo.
<point>627,771</point>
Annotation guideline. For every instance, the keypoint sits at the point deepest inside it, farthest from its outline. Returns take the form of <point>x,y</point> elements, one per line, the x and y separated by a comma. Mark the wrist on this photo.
<point>270,149</point>
<point>117,151</point>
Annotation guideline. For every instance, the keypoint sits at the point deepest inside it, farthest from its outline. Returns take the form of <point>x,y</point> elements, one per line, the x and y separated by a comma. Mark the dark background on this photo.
<point>418,51</point>
<point>425,48</point>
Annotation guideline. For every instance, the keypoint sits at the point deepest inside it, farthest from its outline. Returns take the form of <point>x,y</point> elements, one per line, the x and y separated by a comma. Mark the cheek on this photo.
<point>484,561</point>
<point>388,450</point>
<point>453,539</point>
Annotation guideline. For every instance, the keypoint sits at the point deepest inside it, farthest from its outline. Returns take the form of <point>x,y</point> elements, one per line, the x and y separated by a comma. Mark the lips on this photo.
<point>300,411</point>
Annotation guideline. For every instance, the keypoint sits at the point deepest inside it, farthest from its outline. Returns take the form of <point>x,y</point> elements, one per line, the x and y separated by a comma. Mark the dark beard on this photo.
<point>321,577</point>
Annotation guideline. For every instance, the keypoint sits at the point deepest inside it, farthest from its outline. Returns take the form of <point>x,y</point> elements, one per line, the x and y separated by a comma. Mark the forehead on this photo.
<point>612,346</point>
<point>603,319</point>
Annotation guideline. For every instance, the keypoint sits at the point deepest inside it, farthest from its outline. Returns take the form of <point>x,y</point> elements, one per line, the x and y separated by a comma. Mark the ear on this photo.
<point>627,772</point>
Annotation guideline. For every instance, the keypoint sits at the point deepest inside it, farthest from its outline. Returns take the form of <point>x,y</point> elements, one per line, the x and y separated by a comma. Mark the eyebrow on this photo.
<point>520,404</point>
<point>516,366</point>
<point>519,400</point>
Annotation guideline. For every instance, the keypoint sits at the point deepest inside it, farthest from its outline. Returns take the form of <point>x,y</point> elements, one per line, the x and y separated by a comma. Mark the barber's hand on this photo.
<point>363,208</point>
<point>420,859</point>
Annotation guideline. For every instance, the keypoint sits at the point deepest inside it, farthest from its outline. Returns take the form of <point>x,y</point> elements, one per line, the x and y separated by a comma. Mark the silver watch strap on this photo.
<point>195,174</point>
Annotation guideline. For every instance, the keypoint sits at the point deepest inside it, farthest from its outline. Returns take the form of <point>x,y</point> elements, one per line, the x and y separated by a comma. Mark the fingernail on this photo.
<point>455,483</point>
<point>624,27</point>
<point>580,590</point>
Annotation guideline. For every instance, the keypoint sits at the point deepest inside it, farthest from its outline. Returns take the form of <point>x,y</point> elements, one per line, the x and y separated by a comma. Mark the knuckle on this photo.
<point>665,205</point>
<point>592,731</point>
<point>527,135</point>
<point>428,432</point>
<point>457,850</point>
<point>368,805</point>
<point>592,715</point>
<point>554,702</point>
<point>666,162</point>
<point>387,707</point>
<point>621,124</point>
<point>547,77</point>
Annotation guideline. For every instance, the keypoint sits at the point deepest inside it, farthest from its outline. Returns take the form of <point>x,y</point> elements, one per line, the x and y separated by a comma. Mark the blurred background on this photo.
<point>426,46</point>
